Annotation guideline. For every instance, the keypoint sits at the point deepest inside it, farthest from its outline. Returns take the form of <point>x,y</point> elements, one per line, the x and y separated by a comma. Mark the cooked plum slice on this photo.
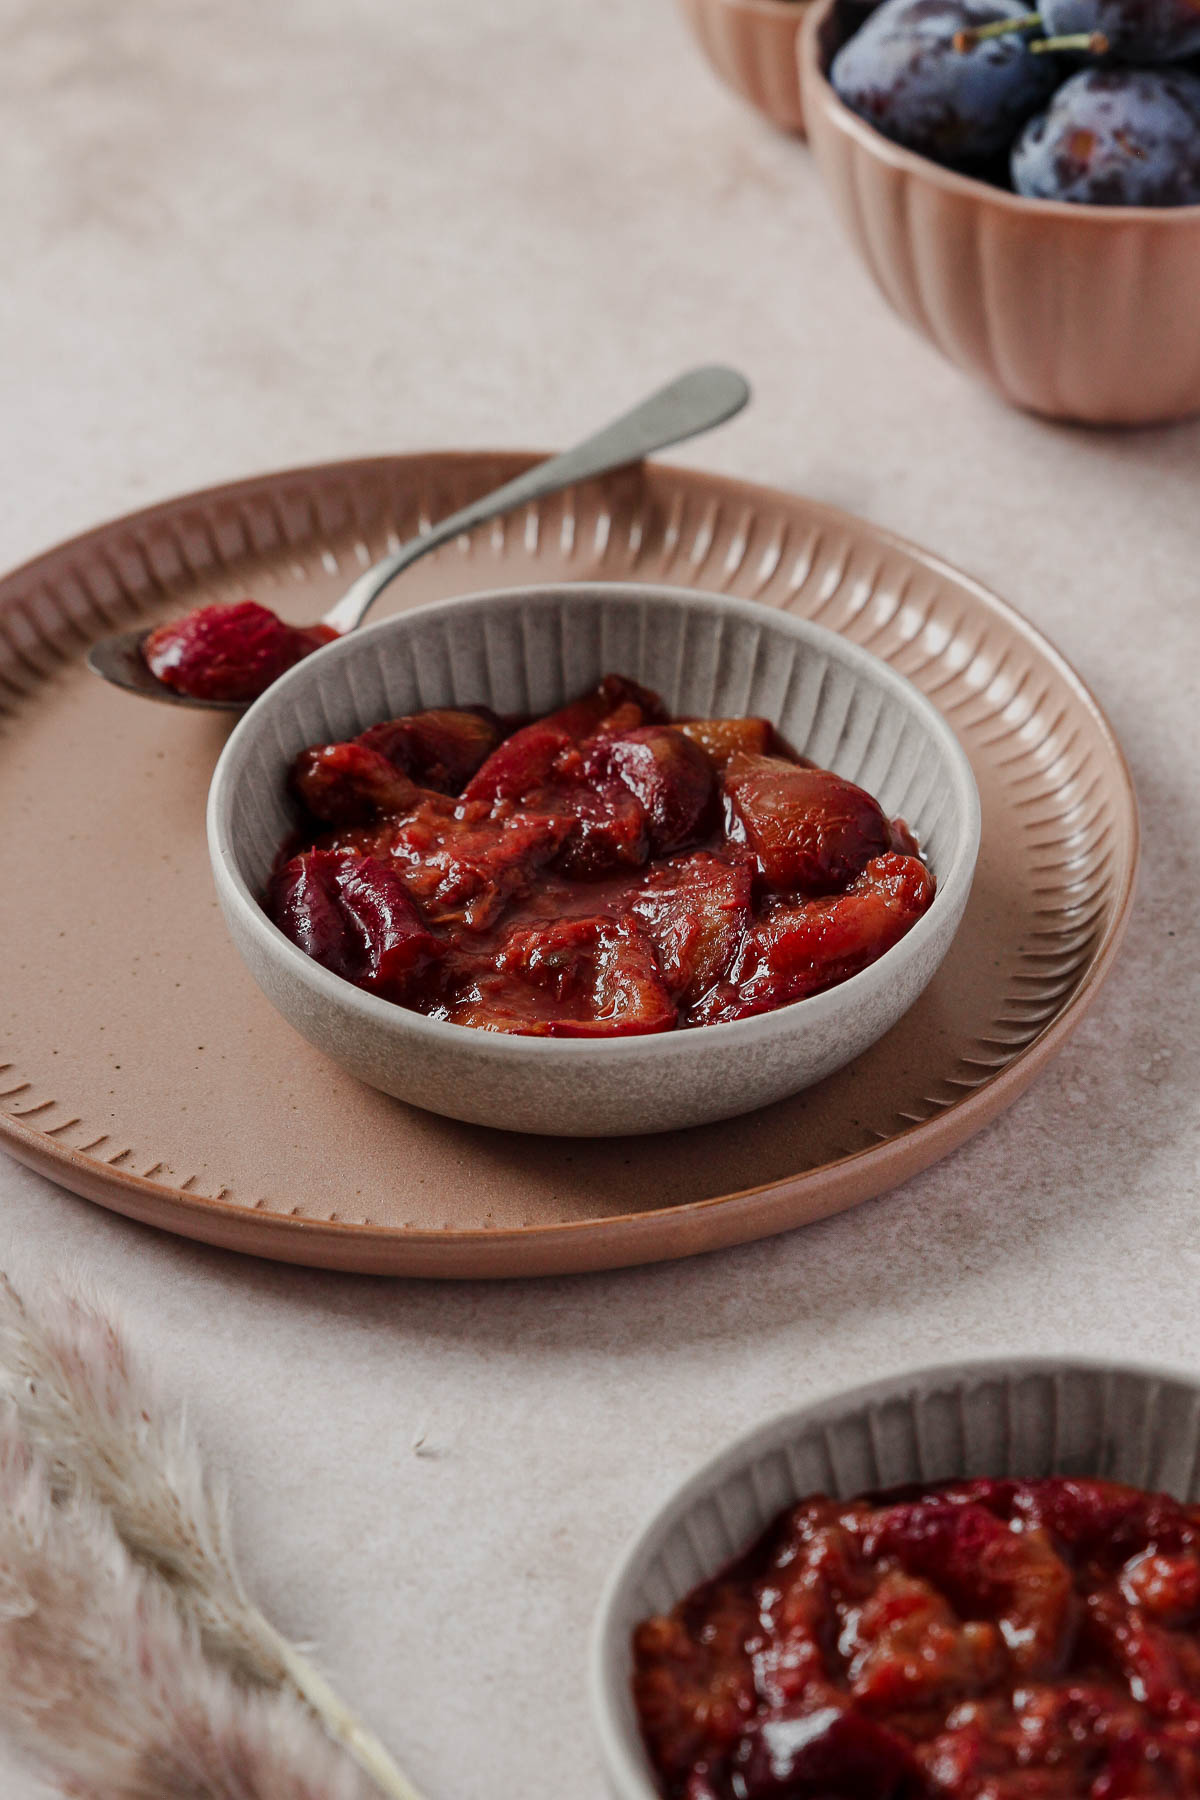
<point>695,1693</point>
<point>398,944</point>
<point>1166,1588</point>
<point>906,1646</point>
<point>353,915</point>
<point>667,774</point>
<point>722,739</point>
<point>1093,1516</point>
<point>304,900</point>
<point>376,773</point>
<point>541,770</point>
<point>608,830</point>
<point>522,765</point>
<point>615,704</point>
<point>571,978</point>
<point>440,748</point>
<point>794,951</point>
<point>1146,1657</point>
<point>347,784</point>
<point>811,831</point>
<point>695,910</point>
<point>229,652</point>
<point>986,1569</point>
<point>541,753</point>
<point>831,1753</point>
<point>462,864</point>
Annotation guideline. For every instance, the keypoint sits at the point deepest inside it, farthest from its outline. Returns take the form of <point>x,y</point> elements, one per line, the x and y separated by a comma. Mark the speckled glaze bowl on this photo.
<point>1082,313</point>
<point>1021,1417</point>
<point>527,652</point>
<point>751,46</point>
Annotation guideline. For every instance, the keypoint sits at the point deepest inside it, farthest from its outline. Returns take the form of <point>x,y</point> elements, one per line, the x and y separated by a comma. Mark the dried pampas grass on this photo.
<point>103,1680</point>
<point>133,1664</point>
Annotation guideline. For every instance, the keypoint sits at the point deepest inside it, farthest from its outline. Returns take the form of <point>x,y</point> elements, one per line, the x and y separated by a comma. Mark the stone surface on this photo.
<point>238,237</point>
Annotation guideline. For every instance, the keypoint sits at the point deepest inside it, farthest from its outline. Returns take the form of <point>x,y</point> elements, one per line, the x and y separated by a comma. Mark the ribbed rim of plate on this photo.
<point>941,1133</point>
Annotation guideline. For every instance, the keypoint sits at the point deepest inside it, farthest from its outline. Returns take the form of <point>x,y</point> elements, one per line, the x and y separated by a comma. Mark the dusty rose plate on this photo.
<point>141,1067</point>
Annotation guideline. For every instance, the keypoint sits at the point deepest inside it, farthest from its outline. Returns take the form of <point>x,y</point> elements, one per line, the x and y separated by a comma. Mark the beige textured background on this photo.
<point>240,236</point>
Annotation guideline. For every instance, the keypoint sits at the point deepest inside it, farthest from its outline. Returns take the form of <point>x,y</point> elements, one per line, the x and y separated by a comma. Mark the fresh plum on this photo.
<point>1115,137</point>
<point>905,73</point>
<point>1134,31</point>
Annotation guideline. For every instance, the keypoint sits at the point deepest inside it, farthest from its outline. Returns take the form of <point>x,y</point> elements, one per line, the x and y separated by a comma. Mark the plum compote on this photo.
<point>982,1640</point>
<point>600,872</point>
<point>230,653</point>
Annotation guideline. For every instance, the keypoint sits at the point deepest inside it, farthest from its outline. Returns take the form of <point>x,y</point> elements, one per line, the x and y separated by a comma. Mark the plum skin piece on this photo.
<point>668,775</point>
<point>810,830</point>
<point>599,975</point>
<point>353,915</point>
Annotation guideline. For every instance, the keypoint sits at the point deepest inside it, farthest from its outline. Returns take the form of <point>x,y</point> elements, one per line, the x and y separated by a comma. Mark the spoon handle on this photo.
<point>693,403</point>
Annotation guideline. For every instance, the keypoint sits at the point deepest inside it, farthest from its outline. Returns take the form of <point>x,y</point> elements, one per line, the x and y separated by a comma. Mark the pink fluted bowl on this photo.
<point>751,46</point>
<point>1084,313</point>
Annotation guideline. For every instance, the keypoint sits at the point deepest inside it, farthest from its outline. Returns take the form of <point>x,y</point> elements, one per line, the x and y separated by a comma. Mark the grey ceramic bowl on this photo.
<point>1024,1417</point>
<point>528,651</point>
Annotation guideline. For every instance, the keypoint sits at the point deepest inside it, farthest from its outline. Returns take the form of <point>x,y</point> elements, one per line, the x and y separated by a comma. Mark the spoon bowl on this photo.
<point>119,659</point>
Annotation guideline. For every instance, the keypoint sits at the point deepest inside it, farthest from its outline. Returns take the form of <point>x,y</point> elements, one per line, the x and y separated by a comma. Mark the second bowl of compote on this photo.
<point>972,1582</point>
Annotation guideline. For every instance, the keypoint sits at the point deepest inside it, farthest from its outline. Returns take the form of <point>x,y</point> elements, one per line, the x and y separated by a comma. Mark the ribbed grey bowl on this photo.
<point>527,651</point>
<point>1024,1416</point>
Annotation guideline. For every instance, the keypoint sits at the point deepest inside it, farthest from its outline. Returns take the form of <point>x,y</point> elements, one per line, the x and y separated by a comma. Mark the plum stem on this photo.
<point>979,34</point>
<point>1093,43</point>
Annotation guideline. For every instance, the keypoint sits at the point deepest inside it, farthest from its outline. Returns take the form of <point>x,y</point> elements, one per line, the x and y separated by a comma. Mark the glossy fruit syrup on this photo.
<point>986,1640</point>
<point>601,871</point>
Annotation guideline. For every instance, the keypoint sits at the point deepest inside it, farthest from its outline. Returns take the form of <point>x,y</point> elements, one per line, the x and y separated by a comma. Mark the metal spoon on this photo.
<point>694,403</point>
